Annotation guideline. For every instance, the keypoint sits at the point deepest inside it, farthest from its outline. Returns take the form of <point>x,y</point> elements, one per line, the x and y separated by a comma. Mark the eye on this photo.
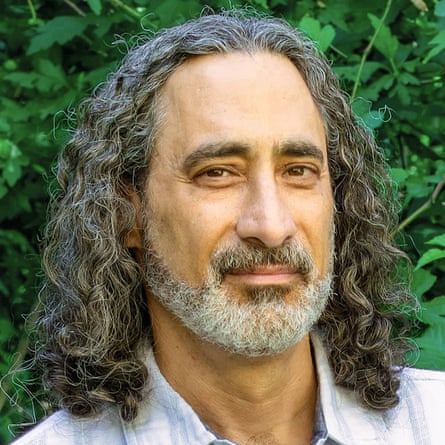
<point>298,170</point>
<point>215,173</point>
<point>301,174</point>
<point>218,177</point>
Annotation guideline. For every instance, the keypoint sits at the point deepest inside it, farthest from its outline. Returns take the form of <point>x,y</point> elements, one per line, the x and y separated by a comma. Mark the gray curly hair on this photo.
<point>95,314</point>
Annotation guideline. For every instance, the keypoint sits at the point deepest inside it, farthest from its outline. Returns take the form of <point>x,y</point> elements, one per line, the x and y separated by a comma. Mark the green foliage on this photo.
<point>389,55</point>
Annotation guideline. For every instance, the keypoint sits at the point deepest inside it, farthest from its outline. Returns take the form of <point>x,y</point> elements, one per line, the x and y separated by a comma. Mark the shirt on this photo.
<point>166,419</point>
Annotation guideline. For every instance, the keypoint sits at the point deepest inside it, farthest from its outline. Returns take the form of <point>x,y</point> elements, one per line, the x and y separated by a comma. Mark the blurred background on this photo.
<point>389,55</point>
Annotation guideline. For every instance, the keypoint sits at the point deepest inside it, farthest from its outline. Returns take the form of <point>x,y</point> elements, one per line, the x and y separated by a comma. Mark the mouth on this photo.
<point>264,276</point>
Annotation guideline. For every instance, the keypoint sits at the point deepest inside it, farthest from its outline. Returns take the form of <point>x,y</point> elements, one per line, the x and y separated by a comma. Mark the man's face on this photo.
<point>239,171</point>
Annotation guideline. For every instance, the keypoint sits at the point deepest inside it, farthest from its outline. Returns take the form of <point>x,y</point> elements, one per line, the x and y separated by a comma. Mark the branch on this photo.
<point>32,9</point>
<point>75,7</point>
<point>130,11</point>
<point>368,49</point>
<point>426,205</point>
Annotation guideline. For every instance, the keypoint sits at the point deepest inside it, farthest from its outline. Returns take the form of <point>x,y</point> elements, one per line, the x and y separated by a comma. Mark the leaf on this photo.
<point>52,76</point>
<point>6,148</point>
<point>323,36</point>
<point>262,4</point>
<point>403,94</point>
<point>433,312</point>
<point>370,119</point>
<point>417,187</point>
<point>423,281</point>
<point>439,42</point>
<point>24,80</point>
<point>438,240</point>
<point>350,71</point>
<point>408,79</point>
<point>439,9</point>
<point>399,175</point>
<point>429,256</point>
<point>58,30</point>
<point>373,91</point>
<point>12,172</point>
<point>432,352</point>
<point>3,289</point>
<point>385,42</point>
<point>6,330</point>
<point>13,162</point>
<point>3,188</point>
<point>95,5</point>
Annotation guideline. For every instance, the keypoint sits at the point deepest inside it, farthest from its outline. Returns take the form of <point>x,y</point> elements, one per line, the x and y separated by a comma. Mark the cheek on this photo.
<point>316,224</point>
<point>326,230</point>
<point>187,235</point>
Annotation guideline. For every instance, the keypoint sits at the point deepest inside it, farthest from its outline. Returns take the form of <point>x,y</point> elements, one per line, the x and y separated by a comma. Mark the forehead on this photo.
<point>238,95</point>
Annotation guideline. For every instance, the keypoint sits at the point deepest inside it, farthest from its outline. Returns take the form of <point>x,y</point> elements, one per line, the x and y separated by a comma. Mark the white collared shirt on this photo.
<point>166,419</point>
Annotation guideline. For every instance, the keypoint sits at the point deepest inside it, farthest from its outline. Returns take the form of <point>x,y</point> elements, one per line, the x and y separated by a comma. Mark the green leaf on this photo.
<point>377,87</point>
<point>429,256</point>
<point>6,148</point>
<point>12,172</point>
<point>323,36</point>
<point>262,3</point>
<point>417,187</point>
<point>437,240</point>
<point>433,312</point>
<point>6,330</point>
<point>3,289</point>
<point>430,343</point>
<point>423,281</point>
<point>52,76</point>
<point>370,119</point>
<point>439,42</point>
<point>385,42</point>
<point>439,9</point>
<point>13,162</point>
<point>58,30</point>
<point>404,94</point>
<point>3,188</point>
<point>24,80</point>
<point>350,71</point>
<point>399,175</point>
<point>95,5</point>
<point>408,79</point>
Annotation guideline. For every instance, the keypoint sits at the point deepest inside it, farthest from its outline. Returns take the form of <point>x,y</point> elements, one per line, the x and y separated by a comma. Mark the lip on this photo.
<point>263,276</point>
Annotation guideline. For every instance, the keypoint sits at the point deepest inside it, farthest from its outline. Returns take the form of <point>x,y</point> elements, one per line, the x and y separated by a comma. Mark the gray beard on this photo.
<point>271,320</point>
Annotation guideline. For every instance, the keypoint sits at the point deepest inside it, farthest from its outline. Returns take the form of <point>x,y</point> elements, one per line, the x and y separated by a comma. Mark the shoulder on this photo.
<point>423,382</point>
<point>420,411</point>
<point>63,429</point>
<point>423,391</point>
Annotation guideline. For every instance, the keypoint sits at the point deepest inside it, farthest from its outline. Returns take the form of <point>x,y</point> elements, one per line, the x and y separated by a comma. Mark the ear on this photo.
<point>134,238</point>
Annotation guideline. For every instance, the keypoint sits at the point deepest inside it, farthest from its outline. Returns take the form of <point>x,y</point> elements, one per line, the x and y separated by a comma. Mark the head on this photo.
<point>96,313</point>
<point>238,203</point>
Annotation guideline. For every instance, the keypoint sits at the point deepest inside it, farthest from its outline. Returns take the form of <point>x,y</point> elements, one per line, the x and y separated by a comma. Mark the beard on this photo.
<point>266,321</point>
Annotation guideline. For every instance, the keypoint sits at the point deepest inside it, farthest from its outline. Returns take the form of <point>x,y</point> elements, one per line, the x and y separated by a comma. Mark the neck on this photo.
<point>271,399</point>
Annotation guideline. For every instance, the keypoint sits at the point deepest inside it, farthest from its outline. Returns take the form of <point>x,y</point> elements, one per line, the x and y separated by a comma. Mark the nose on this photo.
<point>265,218</point>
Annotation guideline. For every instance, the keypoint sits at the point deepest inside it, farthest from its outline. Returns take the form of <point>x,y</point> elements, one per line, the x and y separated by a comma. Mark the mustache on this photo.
<point>247,257</point>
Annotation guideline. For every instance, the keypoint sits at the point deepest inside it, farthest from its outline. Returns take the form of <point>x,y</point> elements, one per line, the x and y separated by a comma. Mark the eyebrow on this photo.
<point>214,151</point>
<point>299,148</point>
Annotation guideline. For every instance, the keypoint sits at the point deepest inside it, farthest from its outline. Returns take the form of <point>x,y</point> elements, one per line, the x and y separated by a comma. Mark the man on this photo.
<point>219,261</point>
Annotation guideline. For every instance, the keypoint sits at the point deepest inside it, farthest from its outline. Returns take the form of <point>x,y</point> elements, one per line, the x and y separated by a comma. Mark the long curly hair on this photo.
<point>94,315</point>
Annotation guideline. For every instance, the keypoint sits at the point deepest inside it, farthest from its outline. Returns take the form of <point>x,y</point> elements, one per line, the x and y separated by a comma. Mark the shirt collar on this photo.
<point>346,419</point>
<point>167,418</point>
